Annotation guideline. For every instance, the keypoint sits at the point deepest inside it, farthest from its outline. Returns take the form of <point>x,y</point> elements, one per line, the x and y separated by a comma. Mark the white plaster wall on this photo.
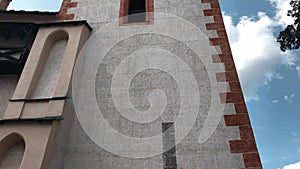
<point>214,153</point>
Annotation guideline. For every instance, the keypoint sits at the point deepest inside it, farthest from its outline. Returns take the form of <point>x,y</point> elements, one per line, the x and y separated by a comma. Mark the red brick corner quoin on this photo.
<point>246,145</point>
<point>65,6</point>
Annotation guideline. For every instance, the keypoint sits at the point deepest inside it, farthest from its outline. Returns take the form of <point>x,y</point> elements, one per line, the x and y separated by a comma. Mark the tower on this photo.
<point>121,84</point>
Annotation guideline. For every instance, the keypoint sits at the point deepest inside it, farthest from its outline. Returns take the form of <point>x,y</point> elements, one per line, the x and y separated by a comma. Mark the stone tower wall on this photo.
<point>158,94</point>
<point>230,144</point>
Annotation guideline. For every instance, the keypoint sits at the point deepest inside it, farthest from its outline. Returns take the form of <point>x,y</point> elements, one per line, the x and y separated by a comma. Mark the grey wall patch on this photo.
<point>169,155</point>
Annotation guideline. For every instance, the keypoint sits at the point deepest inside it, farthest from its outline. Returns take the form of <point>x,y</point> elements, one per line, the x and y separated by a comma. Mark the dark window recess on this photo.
<point>15,42</point>
<point>137,11</point>
<point>169,146</point>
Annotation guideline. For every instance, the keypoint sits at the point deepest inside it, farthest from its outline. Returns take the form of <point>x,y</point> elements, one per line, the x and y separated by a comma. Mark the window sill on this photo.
<point>122,23</point>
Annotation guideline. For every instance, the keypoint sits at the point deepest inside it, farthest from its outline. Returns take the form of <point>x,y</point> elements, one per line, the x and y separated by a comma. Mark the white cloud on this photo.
<point>275,101</point>
<point>278,76</point>
<point>294,134</point>
<point>289,98</point>
<point>255,50</point>
<point>282,7</point>
<point>298,71</point>
<point>296,140</point>
<point>286,97</point>
<point>292,166</point>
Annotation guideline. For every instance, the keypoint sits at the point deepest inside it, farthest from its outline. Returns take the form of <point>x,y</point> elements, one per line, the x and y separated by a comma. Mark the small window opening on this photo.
<point>137,11</point>
<point>140,12</point>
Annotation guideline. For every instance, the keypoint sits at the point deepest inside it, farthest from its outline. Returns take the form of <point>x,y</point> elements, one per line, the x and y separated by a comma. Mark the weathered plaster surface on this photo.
<point>215,152</point>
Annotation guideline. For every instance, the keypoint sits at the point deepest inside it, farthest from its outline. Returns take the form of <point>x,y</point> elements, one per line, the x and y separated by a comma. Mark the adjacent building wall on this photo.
<point>42,121</point>
<point>4,4</point>
<point>14,157</point>
<point>8,84</point>
<point>45,87</point>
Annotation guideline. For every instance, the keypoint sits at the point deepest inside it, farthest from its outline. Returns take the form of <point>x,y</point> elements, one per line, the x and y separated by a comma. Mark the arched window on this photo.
<point>12,149</point>
<point>54,50</point>
<point>136,11</point>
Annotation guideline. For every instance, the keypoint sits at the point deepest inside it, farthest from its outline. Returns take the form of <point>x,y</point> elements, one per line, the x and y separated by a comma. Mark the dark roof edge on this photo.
<point>28,12</point>
<point>40,119</point>
<point>78,22</point>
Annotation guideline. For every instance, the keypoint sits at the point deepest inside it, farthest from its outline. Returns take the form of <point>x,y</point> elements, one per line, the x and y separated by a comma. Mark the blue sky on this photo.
<point>270,78</point>
<point>32,5</point>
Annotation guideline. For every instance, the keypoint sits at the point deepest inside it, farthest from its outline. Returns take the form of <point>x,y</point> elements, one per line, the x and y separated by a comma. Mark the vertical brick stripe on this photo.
<point>65,6</point>
<point>246,145</point>
<point>252,160</point>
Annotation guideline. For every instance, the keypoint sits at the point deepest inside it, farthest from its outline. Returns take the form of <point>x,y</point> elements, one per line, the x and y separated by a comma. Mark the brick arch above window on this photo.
<point>125,10</point>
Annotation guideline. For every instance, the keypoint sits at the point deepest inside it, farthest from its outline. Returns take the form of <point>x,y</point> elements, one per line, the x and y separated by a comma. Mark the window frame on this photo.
<point>124,10</point>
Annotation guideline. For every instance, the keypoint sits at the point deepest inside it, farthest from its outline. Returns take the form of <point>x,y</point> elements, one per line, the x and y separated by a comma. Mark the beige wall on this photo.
<point>47,74</point>
<point>46,84</point>
<point>14,157</point>
<point>8,84</point>
<point>4,4</point>
<point>35,137</point>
